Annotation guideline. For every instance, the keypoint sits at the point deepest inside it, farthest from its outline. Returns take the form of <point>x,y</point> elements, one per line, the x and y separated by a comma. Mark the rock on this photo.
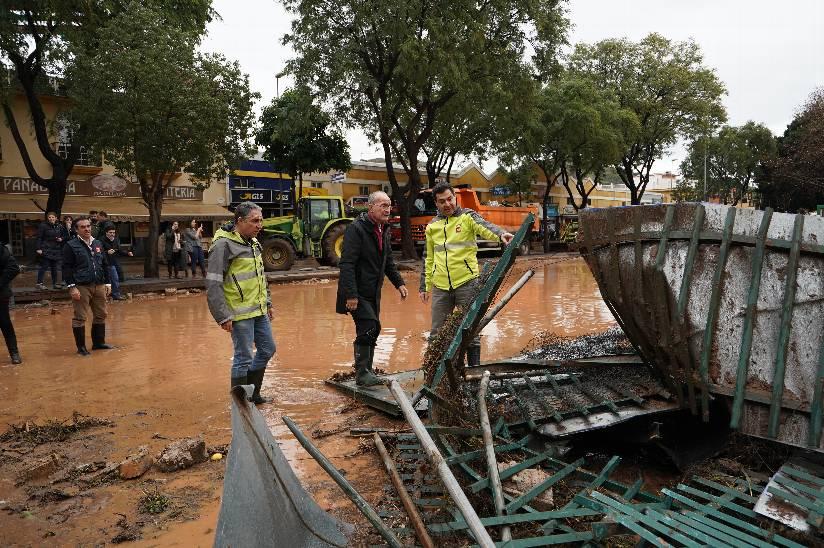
<point>194,290</point>
<point>181,454</point>
<point>135,464</point>
<point>170,291</point>
<point>182,292</point>
<point>100,476</point>
<point>524,481</point>
<point>217,456</point>
<point>41,468</point>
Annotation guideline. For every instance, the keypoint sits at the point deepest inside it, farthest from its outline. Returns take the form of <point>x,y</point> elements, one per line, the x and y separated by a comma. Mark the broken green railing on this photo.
<point>479,306</point>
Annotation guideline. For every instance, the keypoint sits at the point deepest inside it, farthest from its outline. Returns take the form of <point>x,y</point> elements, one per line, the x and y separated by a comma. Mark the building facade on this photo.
<point>92,185</point>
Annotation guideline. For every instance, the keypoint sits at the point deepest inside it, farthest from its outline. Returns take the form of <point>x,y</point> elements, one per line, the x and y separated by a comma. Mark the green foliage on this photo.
<point>154,106</point>
<point>297,136</point>
<point>794,180</point>
<point>40,39</point>
<point>575,131</point>
<point>520,180</point>
<point>688,190</point>
<point>733,157</point>
<point>395,67</point>
<point>665,84</point>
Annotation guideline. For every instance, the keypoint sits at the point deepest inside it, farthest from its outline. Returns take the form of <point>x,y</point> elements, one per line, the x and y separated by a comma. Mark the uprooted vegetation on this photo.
<point>51,431</point>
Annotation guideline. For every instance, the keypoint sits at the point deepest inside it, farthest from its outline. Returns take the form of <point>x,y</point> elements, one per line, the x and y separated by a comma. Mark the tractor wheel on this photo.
<point>333,244</point>
<point>278,254</point>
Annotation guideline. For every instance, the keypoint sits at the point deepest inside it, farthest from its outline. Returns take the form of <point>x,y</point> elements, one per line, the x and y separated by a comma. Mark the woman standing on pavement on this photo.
<point>68,222</point>
<point>50,238</point>
<point>174,252</point>
<point>8,271</point>
<point>194,245</point>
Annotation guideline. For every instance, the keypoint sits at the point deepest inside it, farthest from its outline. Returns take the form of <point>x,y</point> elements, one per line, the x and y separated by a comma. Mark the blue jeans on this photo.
<point>197,258</point>
<point>115,280</point>
<point>257,330</point>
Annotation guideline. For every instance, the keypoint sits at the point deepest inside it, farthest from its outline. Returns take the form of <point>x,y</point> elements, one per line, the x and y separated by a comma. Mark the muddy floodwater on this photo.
<point>169,377</point>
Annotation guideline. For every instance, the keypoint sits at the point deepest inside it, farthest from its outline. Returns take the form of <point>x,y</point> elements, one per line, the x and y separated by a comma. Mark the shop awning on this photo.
<point>25,207</point>
<point>18,206</point>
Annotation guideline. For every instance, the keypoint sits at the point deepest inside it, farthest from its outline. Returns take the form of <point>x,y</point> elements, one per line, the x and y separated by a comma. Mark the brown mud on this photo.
<point>168,378</point>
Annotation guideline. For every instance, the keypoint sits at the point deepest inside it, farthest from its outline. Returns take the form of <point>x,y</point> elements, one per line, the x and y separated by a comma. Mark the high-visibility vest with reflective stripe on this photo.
<point>452,250</point>
<point>244,284</point>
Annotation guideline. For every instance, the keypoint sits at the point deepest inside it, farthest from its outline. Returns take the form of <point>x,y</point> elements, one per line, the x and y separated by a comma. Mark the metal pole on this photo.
<point>705,168</point>
<point>409,506</point>
<point>505,299</point>
<point>345,486</point>
<point>491,462</point>
<point>458,496</point>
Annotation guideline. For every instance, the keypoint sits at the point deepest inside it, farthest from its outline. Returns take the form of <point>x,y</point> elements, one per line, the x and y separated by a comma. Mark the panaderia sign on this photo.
<point>100,186</point>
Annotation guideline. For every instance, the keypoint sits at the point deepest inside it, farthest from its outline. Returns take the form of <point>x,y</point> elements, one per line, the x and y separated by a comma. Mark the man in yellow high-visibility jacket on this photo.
<point>238,296</point>
<point>451,260</point>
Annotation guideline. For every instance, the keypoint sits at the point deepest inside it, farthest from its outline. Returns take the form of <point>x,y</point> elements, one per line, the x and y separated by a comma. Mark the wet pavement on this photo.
<point>169,374</point>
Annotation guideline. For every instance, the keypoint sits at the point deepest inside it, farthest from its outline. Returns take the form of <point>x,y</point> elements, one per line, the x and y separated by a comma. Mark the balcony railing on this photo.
<point>86,158</point>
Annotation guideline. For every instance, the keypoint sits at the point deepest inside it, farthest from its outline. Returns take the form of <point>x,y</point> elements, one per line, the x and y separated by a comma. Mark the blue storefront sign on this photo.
<point>500,191</point>
<point>259,196</point>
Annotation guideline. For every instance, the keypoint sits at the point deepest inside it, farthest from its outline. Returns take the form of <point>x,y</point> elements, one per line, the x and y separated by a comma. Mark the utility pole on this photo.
<point>705,168</point>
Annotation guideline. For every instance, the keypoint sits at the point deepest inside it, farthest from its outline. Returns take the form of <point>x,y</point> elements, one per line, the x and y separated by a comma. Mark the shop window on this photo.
<point>124,232</point>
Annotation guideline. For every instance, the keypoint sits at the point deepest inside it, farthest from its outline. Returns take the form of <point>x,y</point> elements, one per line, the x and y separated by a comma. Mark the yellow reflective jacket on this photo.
<point>236,286</point>
<point>451,252</point>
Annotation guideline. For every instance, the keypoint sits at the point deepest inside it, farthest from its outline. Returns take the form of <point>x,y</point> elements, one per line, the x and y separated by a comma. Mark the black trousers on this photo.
<point>367,324</point>
<point>6,325</point>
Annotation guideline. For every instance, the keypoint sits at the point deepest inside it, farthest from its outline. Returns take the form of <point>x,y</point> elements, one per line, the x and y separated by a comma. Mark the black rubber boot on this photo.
<point>15,358</point>
<point>80,340</point>
<point>99,337</point>
<point>256,378</point>
<point>363,366</point>
<point>473,356</point>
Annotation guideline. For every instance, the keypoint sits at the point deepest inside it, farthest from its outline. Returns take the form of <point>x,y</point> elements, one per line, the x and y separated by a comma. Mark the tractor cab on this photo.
<point>316,213</point>
<point>318,233</point>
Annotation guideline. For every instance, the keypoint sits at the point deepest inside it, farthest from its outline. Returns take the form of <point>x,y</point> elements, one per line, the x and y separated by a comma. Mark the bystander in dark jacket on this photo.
<point>51,235</point>
<point>85,267</point>
<point>8,271</point>
<point>365,261</point>
<point>174,251</point>
<point>112,249</point>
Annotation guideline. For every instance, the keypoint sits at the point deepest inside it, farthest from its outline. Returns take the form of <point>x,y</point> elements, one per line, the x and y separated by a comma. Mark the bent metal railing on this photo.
<point>721,301</point>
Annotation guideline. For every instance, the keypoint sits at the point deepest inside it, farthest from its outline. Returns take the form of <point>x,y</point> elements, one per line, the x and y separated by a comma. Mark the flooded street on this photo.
<point>169,378</point>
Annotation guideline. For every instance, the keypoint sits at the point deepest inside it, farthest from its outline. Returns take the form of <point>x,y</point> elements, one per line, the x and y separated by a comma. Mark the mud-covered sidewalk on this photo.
<point>168,379</point>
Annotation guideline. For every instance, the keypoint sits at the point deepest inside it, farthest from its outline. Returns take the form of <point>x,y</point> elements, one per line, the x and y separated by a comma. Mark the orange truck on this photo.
<point>508,218</point>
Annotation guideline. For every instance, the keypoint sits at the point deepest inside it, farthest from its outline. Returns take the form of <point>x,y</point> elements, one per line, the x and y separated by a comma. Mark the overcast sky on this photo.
<point>767,53</point>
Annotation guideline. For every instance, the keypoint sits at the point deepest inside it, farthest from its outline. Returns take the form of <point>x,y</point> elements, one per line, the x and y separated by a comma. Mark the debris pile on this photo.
<point>550,346</point>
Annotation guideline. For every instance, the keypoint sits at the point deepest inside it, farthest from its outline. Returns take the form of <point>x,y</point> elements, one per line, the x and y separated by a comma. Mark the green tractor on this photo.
<point>317,232</point>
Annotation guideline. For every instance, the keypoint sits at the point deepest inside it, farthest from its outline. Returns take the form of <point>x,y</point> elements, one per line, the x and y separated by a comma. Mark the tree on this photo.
<point>573,131</point>
<point>394,66</point>
<point>39,39</point>
<point>795,178</point>
<point>158,107</point>
<point>520,180</point>
<point>297,137</point>
<point>733,156</point>
<point>665,84</point>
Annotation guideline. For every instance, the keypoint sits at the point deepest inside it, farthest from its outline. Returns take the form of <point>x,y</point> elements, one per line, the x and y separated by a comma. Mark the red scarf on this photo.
<point>379,235</point>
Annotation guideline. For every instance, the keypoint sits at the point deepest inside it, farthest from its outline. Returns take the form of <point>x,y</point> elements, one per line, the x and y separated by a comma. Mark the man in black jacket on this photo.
<point>365,260</point>
<point>8,271</point>
<point>86,272</point>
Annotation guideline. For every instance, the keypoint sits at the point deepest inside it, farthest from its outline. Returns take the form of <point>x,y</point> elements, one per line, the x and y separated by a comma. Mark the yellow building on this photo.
<point>92,185</point>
